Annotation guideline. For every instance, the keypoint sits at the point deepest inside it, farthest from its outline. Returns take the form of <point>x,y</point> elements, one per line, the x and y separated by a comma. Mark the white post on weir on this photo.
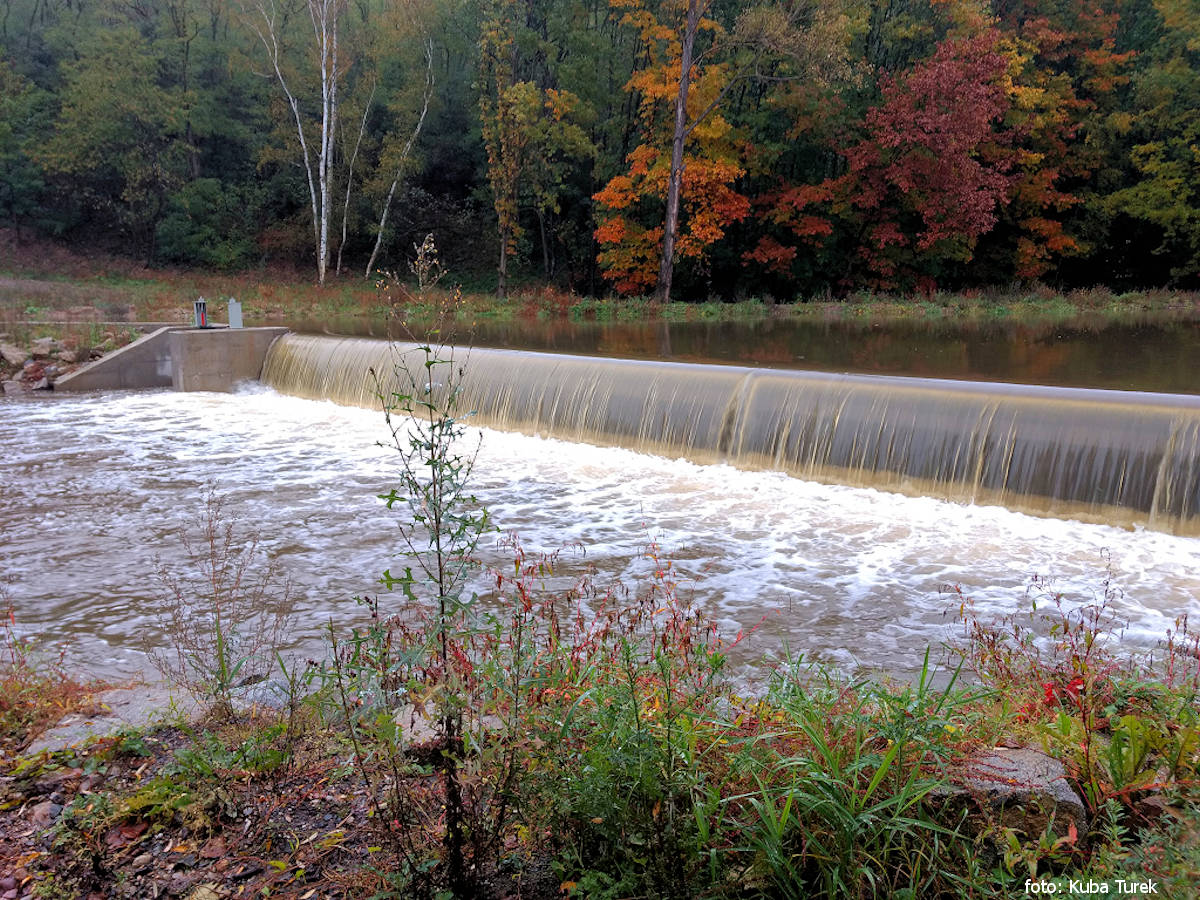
<point>235,313</point>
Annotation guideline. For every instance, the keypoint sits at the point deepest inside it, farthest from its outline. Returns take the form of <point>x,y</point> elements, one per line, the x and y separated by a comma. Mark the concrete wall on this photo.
<point>145,363</point>
<point>216,359</point>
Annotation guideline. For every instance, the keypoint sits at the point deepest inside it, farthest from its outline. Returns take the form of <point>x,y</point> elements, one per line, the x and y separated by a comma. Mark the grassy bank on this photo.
<point>45,282</point>
<point>609,755</point>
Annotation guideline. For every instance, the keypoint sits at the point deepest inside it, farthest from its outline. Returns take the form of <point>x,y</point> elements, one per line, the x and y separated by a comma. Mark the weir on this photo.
<point>1110,456</point>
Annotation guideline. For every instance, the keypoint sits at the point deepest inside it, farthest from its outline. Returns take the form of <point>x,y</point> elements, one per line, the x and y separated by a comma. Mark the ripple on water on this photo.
<point>97,488</point>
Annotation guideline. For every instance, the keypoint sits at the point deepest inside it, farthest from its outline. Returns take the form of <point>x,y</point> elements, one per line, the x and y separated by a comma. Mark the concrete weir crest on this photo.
<point>185,358</point>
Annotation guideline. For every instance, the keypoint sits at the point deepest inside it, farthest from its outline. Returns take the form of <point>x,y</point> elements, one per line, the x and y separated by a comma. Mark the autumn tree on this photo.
<point>693,63</point>
<point>1065,72</point>
<point>927,178</point>
<point>528,132</point>
<point>637,256</point>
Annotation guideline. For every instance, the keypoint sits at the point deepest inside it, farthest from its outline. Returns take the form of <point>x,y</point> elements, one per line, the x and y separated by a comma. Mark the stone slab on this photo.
<point>113,710</point>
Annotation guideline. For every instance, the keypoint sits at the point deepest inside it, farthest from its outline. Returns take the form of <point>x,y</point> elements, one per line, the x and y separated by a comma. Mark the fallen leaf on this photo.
<point>133,830</point>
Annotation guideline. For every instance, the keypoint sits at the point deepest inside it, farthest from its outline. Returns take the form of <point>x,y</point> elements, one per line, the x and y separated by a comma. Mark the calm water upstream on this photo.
<point>95,489</point>
<point>1123,356</point>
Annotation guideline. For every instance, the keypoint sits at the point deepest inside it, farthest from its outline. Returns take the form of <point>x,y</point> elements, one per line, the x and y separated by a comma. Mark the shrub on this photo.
<point>225,616</point>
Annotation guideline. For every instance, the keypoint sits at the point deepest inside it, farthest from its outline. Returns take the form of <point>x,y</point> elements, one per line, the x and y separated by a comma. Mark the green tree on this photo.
<point>1162,130</point>
<point>527,129</point>
<point>118,147</point>
<point>23,125</point>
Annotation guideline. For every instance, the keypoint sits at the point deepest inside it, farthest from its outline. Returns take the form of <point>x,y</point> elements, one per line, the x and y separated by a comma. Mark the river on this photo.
<point>96,490</point>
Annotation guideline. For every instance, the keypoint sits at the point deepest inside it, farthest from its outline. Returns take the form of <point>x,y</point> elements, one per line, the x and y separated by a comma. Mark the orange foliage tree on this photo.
<point>678,90</point>
<point>1064,72</point>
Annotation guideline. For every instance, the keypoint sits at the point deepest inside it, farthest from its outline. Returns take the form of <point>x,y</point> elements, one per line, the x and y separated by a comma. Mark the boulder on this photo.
<point>14,356</point>
<point>44,814</point>
<point>1011,787</point>
<point>112,711</point>
<point>44,347</point>
<point>13,387</point>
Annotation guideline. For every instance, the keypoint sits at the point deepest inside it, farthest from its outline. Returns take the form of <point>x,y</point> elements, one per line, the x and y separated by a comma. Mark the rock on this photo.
<point>14,356</point>
<point>141,862</point>
<point>67,356</point>
<point>181,883</point>
<point>42,384</point>
<point>51,781</point>
<point>113,710</point>
<point>214,848</point>
<point>44,814</point>
<point>1012,787</point>
<point>13,387</point>
<point>44,347</point>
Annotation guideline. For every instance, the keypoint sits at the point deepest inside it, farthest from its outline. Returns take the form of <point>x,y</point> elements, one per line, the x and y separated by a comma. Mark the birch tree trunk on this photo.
<point>325,15</point>
<point>362,128</point>
<point>399,171</point>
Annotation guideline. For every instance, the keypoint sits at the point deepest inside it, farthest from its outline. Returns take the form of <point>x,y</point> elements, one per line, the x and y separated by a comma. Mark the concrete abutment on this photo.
<point>188,359</point>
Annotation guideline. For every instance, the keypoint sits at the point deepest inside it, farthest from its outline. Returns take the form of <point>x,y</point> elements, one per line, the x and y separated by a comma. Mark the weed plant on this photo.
<point>224,615</point>
<point>36,688</point>
<point>594,730</point>
<point>1126,726</point>
<point>596,726</point>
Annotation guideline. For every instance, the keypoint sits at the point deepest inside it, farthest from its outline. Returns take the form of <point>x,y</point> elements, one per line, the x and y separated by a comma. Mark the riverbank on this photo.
<point>34,355</point>
<point>619,762</point>
<point>46,281</point>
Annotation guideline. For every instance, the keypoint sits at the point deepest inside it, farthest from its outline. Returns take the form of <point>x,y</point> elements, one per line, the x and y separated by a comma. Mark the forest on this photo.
<point>685,149</point>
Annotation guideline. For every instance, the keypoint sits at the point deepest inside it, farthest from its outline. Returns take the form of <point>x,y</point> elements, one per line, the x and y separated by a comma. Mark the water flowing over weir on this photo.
<point>1110,456</point>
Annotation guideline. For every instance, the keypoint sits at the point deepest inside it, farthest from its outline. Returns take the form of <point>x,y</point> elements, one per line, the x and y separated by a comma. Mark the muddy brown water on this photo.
<point>97,489</point>
<point>1135,356</point>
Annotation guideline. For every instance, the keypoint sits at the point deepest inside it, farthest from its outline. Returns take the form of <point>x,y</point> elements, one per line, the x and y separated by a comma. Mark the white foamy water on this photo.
<point>95,489</point>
